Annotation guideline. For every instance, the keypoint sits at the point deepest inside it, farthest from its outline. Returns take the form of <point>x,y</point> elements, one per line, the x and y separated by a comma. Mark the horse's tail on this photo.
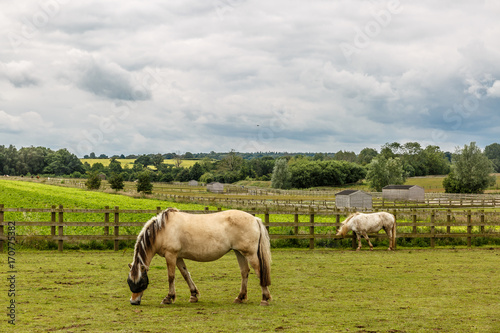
<point>264,255</point>
<point>393,232</point>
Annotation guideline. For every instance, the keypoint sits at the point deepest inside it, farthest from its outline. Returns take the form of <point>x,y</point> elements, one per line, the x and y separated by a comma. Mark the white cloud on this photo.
<point>190,75</point>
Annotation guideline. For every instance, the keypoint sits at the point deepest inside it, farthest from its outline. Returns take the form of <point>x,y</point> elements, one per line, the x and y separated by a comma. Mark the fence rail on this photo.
<point>432,224</point>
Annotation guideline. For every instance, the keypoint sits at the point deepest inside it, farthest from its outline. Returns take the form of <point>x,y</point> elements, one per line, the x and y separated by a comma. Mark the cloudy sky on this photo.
<point>138,77</point>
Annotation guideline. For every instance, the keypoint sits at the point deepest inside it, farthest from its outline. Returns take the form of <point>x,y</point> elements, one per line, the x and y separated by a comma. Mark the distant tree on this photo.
<point>493,153</point>
<point>281,175</point>
<point>195,171</point>
<point>231,162</point>
<point>470,171</point>
<point>366,155</point>
<point>157,160</point>
<point>93,181</point>
<point>92,155</point>
<point>115,167</point>
<point>103,156</point>
<point>62,162</point>
<point>384,171</point>
<point>207,177</point>
<point>348,156</point>
<point>144,160</point>
<point>116,181</point>
<point>188,155</point>
<point>144,184</point>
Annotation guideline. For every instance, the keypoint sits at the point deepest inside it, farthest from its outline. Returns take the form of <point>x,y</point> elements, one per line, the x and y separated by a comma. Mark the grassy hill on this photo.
<point>130,162</point>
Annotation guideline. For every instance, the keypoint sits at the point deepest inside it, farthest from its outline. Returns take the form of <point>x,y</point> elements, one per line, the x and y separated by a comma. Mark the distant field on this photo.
<point>130,162</point>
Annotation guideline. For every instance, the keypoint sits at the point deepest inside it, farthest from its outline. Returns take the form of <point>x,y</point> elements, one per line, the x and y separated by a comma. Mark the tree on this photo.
<point>93,181</point>
<point>493,153</point>
<point>115,167</point>
<point>116,182</point>
<point>366,155</point>
<point>195,171</point>
<point>470,171</point>
<point>281,175</point>
<point>384,171</point>
<point>144,184</point>
<point>231,162</point>
<point>157,160</point>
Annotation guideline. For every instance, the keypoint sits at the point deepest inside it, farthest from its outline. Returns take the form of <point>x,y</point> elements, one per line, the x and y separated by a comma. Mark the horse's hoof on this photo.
<point>238,300</point>
<point>135,303</point>
<point>264,303</point>
<point>193,299</point>
<point>358,249</point>
<point>167,300</point>
<point>371,248</point>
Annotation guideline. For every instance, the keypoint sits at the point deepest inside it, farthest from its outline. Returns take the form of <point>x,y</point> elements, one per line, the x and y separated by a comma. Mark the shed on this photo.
<point>353,199</point>
<point>215,187</point>
<point>193,182</point>
<point>403,193</point>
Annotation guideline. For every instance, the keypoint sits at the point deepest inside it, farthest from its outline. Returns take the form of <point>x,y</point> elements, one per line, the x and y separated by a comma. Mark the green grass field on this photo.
<point>313,291</point>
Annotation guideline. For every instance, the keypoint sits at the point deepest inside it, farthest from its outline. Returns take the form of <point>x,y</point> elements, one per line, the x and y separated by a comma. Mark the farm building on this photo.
<point>353,199</point>
<point>193,183</point>
<point>215,187</point>
<point>403,192</point>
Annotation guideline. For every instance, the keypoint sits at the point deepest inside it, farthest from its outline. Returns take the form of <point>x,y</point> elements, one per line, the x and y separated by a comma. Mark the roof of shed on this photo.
<point>398,187</point>
<point>347,192</point>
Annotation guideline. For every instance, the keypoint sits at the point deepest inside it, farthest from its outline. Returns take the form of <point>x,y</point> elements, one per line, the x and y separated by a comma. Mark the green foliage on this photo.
<point>306,173</point>
<point>493,153</point>
<point>93,181</point>
<point>144,184</point>
<point>116,182</point>
<point>471,171</point>
<point>281,175</point>
<point>384,171</point>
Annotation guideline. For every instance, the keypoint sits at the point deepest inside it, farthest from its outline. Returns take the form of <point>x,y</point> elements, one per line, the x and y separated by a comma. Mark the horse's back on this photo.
<point>207,237</point>
<point>373,222</point>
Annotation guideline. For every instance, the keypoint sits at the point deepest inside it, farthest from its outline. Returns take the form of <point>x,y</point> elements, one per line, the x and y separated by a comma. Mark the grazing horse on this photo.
<point>362,224</point>
<point>177,236</point>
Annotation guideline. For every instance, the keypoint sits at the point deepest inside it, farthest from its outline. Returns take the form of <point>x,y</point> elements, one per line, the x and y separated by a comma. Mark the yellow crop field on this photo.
<point>130,162</point>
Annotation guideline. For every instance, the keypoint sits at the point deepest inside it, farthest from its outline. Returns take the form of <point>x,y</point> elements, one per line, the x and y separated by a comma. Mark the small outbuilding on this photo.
<point>353,199</point>
<point>403,193</point>
<point>215,187</point>
<point>193,182</point>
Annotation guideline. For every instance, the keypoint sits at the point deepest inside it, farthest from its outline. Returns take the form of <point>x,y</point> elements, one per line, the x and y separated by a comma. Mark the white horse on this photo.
<point>362,224</point>
<point>201,237</point>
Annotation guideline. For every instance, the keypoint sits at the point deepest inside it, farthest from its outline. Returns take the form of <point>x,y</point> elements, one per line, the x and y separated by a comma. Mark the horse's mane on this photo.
<point>147,238</point>
<point>350,217</point>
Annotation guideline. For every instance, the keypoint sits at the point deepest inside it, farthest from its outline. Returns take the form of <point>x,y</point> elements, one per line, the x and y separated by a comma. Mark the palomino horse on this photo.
<point>201,237</point>
<point>362,224</point>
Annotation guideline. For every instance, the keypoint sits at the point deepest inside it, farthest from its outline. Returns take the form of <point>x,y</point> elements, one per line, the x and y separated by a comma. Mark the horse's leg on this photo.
<point>389,234</point>
<point>254,262</point>
<point>358,236</point>
<point>171,263</point>
<point>365,236</point>
<point>245,270</point>
<point>185,274</point>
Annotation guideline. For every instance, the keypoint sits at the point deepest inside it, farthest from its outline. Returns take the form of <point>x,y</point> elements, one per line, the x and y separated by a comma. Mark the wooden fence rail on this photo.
<point>430,224</point>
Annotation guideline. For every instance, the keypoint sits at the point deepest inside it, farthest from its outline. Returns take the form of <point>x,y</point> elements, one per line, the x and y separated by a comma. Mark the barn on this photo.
<point>353,199</point>
<point>193,182</point>
<point>403,193</point>
<point>215,187</point>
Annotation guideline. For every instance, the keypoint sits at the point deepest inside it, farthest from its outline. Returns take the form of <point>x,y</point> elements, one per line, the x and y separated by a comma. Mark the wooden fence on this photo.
<point>432,224</point>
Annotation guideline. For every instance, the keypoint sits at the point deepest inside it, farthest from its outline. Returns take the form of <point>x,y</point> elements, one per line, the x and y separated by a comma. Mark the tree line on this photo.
<point>392,165</point>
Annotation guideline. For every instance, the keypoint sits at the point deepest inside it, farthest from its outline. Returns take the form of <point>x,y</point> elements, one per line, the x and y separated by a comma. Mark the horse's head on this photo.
<point>343,229</point>
<point>138,282</point>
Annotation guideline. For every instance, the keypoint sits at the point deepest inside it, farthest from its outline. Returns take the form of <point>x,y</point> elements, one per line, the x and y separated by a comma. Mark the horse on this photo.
<point>362,224</point>
<point>177,235</point>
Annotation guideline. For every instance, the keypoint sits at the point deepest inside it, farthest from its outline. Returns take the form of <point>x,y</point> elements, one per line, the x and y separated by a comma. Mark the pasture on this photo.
<point>444,290</point>
<point>130,162</point>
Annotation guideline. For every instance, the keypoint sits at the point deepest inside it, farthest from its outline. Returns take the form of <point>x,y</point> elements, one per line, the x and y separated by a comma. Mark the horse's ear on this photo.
<point>130,266</point>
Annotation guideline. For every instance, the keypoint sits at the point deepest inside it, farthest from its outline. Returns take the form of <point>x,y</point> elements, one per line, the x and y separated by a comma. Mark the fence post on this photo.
<point>311,229</point>
<point>433,229</point>
<point>106,220</point>
<point>206,210</point>
<point>448,221</point>
<point>116,227</point>
<point>482,221</point>
<point>266,220</point>
<point>469,228</point>
<point>60,227</point>
<point>1,228</point>
<point>53,220</point>
<point>414,220</point>
<point>296,221</point>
